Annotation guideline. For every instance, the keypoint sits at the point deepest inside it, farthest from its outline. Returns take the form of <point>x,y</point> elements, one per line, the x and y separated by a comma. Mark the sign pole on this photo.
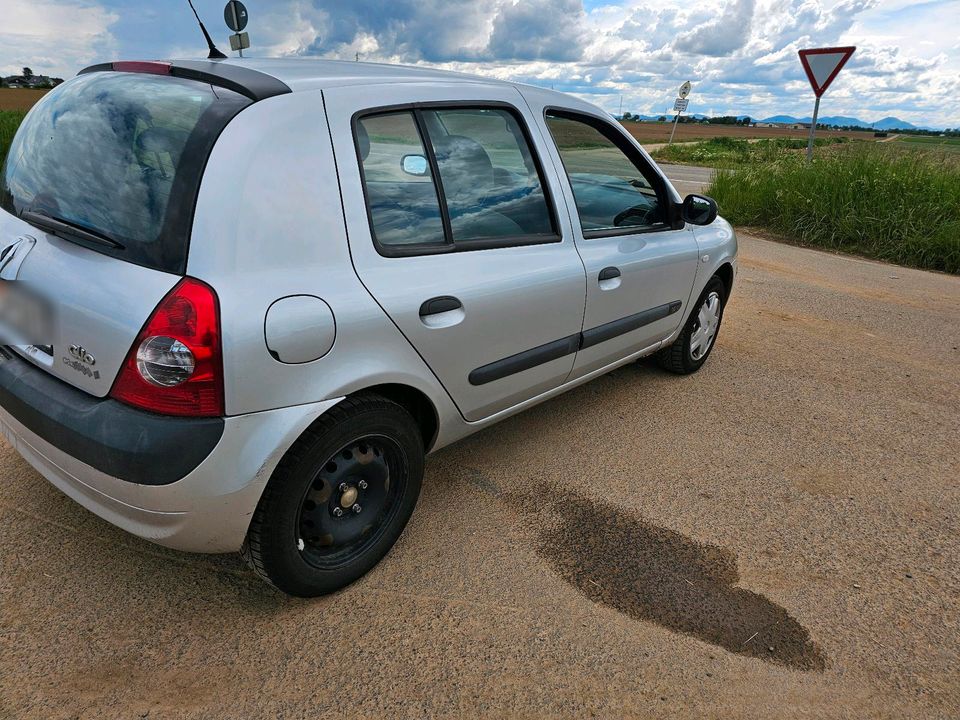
<point>821,66</point>
<point>813,129</point>
<point>236,20</point>
<point>680,105</point>
<point>675,121</point>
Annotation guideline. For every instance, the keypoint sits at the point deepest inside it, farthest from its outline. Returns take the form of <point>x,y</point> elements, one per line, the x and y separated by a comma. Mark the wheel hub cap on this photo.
<point>349,497</point>
<point>708,318</point>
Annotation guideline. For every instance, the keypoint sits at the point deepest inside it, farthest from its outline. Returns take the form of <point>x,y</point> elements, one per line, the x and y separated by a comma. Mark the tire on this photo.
<point>686,355</point>
<point>308,536</point>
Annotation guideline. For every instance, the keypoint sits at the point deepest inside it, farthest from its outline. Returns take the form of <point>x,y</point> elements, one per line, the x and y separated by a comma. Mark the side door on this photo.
<point>453,229</point>
<point>640,263</point>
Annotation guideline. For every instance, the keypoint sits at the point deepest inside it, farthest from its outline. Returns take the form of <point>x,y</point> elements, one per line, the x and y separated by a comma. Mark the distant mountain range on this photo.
<point>887,123</point>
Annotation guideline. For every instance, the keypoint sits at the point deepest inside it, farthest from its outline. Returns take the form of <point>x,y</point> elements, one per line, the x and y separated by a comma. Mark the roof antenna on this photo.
<point>214,53</point>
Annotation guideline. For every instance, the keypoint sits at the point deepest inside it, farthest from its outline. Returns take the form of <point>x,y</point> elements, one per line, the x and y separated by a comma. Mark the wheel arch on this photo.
<point>416,403</point>
<point>725,273</point>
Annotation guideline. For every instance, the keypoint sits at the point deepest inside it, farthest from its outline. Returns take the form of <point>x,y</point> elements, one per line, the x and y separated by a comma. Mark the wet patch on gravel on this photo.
<point>657,575</point>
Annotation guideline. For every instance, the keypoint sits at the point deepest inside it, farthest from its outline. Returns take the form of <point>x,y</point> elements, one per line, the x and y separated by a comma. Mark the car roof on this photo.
<point>310,74</point>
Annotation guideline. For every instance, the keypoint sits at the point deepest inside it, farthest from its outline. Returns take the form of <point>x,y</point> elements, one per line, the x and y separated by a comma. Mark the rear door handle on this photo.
<point>437,305</point>
<point>609,278</point>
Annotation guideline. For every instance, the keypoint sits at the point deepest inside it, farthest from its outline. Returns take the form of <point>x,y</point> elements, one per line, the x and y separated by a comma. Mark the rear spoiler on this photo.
<point>255,85</point>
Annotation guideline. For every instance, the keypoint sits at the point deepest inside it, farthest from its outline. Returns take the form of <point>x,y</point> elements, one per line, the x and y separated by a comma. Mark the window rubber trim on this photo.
<point>450,245</point>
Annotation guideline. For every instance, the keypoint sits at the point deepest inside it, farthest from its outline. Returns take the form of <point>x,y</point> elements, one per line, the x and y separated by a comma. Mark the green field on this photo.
<point>9,122</point>
<point>726,152</point>
<point>869,199</point>
<point>946,144</point>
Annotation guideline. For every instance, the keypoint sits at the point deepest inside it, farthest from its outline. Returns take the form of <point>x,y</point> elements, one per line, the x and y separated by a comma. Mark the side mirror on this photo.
<point>415,165</point>
<point>698,210</point>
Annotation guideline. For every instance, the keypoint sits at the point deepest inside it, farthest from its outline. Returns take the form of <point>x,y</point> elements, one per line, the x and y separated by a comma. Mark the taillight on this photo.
<point>175,366</point>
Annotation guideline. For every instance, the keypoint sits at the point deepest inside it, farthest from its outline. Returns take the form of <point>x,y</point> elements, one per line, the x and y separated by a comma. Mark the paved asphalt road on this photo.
<point>687,178</point>
<point>775,536</point>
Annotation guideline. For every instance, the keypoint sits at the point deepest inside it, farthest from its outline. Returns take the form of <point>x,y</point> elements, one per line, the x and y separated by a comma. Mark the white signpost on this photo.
<point>680,105</point>
<point>822,65</point>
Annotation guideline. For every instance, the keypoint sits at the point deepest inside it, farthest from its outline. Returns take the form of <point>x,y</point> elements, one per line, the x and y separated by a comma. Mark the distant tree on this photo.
<point>662,118</point>
<point>27,73</point>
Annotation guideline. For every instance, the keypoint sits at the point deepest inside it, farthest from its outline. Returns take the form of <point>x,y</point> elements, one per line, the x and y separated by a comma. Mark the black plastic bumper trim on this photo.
<point>610,330</point>
<point>114,438</point>
<point>524,360</point>
<point>541,354</point>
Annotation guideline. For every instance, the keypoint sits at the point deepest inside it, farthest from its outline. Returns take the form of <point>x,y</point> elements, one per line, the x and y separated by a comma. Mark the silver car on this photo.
<point>244,299</point>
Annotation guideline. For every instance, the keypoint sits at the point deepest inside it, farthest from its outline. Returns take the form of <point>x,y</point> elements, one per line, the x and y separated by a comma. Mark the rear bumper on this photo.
<point>207,510</point>
<point>112,437</point>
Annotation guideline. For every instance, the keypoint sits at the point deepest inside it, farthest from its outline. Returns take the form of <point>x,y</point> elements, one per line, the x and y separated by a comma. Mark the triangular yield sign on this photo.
<point>823,64</point>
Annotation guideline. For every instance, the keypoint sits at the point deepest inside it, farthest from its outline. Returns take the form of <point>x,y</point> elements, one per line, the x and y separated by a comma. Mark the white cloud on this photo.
<point>741,55</point>
<point>54,37</point>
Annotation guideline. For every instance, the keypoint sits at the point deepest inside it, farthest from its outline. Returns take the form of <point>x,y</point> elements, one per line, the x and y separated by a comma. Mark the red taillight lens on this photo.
<point>175,366</point>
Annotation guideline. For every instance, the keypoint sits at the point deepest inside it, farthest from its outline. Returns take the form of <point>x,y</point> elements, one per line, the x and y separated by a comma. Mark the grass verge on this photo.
<point>9,122</point>
<point>902,207</point>
<point>727,152</point>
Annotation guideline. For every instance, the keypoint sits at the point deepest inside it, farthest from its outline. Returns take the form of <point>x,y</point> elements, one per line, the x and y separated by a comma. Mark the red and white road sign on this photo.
<point>823,64</point>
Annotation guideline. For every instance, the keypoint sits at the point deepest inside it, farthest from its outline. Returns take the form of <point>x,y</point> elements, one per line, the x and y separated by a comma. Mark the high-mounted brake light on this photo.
<point>143,66</point>
<point>175,366</point>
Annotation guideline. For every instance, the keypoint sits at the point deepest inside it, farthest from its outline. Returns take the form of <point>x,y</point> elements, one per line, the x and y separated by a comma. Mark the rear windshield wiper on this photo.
<point>61,228</point>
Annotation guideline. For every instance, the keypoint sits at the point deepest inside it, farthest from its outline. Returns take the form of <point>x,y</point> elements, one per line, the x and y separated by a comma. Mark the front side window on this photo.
<point>476,179</point>
<point>611,191</point>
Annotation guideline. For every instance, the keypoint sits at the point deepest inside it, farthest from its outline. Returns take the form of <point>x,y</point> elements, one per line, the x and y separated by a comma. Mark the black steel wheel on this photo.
<point>339,499</point>
<point>350,501</point>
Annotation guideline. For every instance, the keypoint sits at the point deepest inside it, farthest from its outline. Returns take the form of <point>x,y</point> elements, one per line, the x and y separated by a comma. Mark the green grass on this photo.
<point>728,152</point>
<point>873,200</point>
<point>947,144</point>
<point>9,122</point>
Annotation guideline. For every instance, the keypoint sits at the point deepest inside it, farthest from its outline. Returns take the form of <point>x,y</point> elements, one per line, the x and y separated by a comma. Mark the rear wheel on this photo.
<point>339,499</point>
<point>691,349</point>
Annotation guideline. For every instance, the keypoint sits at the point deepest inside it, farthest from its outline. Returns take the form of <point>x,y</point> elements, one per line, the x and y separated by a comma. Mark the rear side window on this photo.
<point>474,165</point>
<point>121,155</point>
<point>403,204</point>
<point>610,187</point>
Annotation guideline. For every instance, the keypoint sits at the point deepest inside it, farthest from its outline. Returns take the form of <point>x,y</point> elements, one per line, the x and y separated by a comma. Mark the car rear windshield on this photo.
<point>120,155</point>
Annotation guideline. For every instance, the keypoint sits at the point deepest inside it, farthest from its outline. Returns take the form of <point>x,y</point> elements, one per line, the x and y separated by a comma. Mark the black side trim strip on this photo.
<point>252,83</point>
<point>564,346</point>
<point>119,440</point>
<point>610,330</point>
<point>525,360</point>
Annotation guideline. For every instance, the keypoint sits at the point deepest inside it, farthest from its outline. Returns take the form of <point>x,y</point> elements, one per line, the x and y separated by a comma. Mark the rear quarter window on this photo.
<point>122,155</point>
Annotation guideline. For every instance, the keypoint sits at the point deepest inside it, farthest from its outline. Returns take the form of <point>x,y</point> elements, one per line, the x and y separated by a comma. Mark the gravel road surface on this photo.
<point>777,536</point>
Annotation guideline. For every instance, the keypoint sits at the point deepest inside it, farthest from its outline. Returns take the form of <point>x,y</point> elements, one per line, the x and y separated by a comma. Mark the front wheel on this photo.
<point>339,499</point>
<point>692,347</point>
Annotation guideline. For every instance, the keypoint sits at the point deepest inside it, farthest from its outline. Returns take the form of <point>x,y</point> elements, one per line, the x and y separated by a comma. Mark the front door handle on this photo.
<point>437,305</point>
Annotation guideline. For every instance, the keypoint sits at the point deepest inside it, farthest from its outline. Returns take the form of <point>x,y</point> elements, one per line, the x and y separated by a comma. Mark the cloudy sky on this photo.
<point>741,55</point>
